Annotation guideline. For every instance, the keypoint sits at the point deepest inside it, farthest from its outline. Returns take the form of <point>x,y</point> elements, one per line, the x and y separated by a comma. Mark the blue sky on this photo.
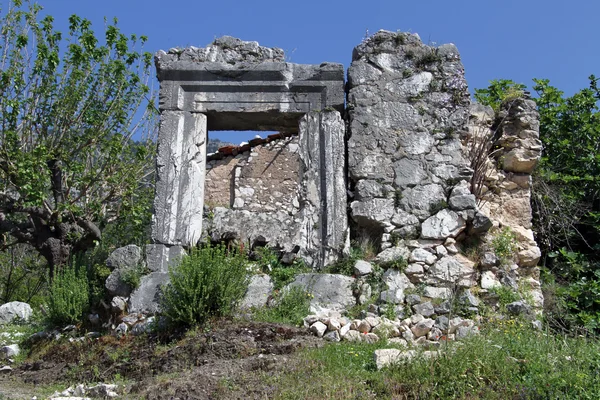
<point>510,39</point>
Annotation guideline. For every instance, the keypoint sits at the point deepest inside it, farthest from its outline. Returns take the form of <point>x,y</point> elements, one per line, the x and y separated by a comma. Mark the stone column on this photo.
<point>181,168</point>
<point>324,185</point>
<point>178,202</point>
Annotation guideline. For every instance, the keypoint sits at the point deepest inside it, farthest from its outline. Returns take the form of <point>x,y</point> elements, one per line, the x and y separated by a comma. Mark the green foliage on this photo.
<point>68,112</point>
<point>428,57</point>
<point>498,92</point>
<point>506,295</point>
<point>438,206</point>
<point>504,245</point>
<point>566,196</point>
<point>208,282</point>
<point>290,308</point>
<point>97,274</point>
<point>68,297</point>
<point>573,291</point>
<point>133,276</point>
<point>507,361</point>
<point>280,274</point>
<point>22,275</point>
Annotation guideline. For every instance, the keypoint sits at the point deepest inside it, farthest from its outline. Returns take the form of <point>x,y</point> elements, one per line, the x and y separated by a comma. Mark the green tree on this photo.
<point>499,91</point>
<point>69,109</point>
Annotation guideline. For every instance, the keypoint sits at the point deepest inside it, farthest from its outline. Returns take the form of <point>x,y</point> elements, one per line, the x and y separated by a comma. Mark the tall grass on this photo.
<point>507,361</point>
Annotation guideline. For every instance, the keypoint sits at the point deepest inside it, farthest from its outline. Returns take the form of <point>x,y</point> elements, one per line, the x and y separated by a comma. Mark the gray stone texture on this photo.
<point>260,288</point>
<point>125,257</point>
<point>329,291</point>
<point>180,172</point>
<point>317,230</point>
<point>241,85</point>
<point>14,311</point>
<point>146,298</point>
<point>407,103</point>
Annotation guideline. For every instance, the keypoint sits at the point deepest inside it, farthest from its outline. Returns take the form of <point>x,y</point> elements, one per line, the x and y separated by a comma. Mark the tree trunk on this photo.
<point>56,252</point>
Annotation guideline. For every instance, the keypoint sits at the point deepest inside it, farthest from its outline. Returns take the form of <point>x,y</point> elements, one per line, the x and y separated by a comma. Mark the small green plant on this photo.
<point>397,198</point>
<point>281,275</point>
<point>291,306</point>
<point>400,264</point>
<point>407,73</point>
<point>133,276</point>
<point>208,282</point>
<point>438,206</point>
<point>504,245</point>
<point>506,295</point>
<point>500,91</point>
<point>415,98</point>
<point>400,39</point>
<point>429,57</point>
<point>68,297</point>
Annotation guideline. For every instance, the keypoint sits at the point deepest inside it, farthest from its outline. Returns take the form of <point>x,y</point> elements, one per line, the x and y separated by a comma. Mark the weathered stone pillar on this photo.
<point>181,167</point>
<point>324,185</point>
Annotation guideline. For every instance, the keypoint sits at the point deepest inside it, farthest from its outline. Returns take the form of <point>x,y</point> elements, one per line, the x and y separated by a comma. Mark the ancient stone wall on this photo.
<point>264,178</point>
<point>408,103</point>
<point>398,164</point>
<point>513,150</point>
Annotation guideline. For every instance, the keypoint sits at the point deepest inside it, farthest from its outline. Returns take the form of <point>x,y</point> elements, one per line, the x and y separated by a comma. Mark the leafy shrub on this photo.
<point>97,275</point>
<point>208,282</point>
<point>68,297</point>
<point>280,274</point>
<point>290,308</point>
<point>499,91</point>
<point>505,245</point>
<point>133,276</point>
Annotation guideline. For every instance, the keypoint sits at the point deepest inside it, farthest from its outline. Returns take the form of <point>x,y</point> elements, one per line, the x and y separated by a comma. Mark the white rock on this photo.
<point>422,328</point>
<point>386,357</point>
<point>334,324</point>
<point>362,267</point>
<point>318,328</point>
<point>422,255</point>
<point>437,292</point>
<point>373,321</point>
<point>364,327</point>
<point>489,280</point>
<point>452,270</point>
<point>333,336</point>
<point>15,310</point>
<point>416,318</point>
<point>344,330</point>
<point>309,320</point>
<point>370,338</point>
<point>441,251</point>
<point>445,223</point>
<point>12,350</point>
<point>354,336</point>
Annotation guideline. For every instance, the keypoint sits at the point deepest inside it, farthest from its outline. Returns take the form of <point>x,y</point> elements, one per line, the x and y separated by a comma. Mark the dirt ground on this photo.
<point>194,365</point>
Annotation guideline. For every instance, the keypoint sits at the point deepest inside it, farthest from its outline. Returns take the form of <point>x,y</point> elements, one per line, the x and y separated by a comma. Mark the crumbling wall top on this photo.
<point>226,49</point>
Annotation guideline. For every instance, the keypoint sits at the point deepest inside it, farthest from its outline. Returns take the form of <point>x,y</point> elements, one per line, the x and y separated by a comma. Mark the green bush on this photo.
<point>281,275</point>
<point>291,308</point>
<point>505,245</point>
<point>68,297</point>
<point>133,276</point>
<point>208,282</point>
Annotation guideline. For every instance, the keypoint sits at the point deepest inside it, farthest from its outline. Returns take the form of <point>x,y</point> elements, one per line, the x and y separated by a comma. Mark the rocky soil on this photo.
<point>198,365</point>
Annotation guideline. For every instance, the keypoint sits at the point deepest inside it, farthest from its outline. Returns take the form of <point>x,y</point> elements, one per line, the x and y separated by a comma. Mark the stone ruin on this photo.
<point>387,158</point>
